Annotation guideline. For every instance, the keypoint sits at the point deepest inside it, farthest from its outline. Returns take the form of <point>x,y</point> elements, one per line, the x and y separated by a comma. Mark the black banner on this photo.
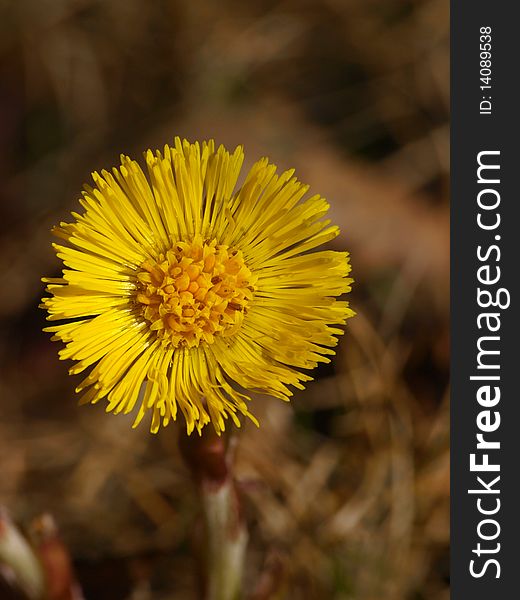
<point>485,418</point>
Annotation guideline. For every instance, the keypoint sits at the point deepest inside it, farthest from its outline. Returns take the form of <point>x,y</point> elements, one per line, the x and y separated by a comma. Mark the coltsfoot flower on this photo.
<point>182,292</point>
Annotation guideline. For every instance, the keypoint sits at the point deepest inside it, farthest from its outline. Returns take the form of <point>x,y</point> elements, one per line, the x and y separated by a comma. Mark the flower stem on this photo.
<point>209,459</point>
<point>18,560</point>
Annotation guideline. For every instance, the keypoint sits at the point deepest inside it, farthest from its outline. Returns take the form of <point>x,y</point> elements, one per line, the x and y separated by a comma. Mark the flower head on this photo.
<point>182,292</point>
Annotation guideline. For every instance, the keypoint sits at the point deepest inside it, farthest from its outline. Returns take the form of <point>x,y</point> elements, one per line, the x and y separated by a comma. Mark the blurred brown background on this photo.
<point>346,488</point>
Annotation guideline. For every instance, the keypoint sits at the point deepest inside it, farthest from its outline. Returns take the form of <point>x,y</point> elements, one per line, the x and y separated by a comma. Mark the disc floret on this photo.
<point>195,291</point>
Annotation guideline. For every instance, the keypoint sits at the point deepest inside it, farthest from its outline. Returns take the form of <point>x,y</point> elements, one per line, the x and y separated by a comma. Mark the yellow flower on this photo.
<point>179,289</point>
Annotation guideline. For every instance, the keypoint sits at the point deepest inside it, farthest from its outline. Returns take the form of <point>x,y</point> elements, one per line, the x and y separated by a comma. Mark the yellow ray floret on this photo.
<point>179,290</point>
